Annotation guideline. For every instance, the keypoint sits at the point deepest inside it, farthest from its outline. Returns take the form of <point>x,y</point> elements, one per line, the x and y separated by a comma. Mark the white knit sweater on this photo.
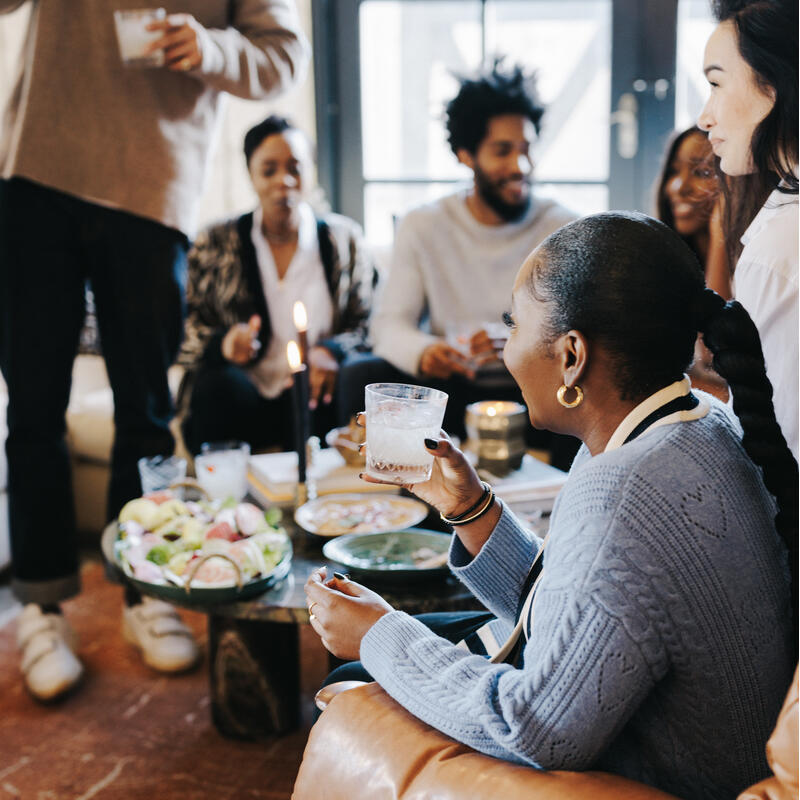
<point>448,267</point>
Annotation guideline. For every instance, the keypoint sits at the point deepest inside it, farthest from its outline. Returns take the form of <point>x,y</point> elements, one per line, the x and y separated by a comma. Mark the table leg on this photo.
<point>255,676</point>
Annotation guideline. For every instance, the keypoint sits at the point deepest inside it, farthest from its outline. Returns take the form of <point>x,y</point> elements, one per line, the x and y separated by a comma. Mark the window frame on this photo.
<point>643,52</point>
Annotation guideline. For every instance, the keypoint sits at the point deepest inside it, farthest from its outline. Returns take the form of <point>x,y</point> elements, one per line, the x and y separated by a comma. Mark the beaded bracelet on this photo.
<point>476,504</point>
<point>486,506</point>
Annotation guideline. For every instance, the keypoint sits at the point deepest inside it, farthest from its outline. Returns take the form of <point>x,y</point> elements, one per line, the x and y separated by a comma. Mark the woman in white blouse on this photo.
<point>245,275</point>
<point>752,121</point>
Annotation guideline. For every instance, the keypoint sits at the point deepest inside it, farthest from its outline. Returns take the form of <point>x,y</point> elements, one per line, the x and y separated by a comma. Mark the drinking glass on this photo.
<point>221,469</point>
<point>133,37</point>
<point>458,336</point>
<point>399,417</point>
<point>160,472</point>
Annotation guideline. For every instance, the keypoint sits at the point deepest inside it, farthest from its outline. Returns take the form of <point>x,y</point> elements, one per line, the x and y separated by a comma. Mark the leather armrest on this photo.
<point>367,746</point>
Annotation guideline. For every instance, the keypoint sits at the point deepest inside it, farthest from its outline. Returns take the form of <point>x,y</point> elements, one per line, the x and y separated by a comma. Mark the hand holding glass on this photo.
<point>134,38</point>
<point>399,418</point>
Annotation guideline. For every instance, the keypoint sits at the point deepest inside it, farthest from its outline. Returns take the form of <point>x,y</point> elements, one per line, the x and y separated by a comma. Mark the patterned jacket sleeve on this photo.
<point>213,294</point>
<point>354,278</point>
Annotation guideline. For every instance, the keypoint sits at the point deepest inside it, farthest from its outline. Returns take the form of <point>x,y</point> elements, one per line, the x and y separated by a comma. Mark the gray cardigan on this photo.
<point>660,646</point>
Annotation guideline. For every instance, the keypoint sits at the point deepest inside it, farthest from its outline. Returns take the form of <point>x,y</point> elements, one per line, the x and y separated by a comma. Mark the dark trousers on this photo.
<point>51,244</point>
<point>451,625</point>
<point>225,405</point>
<point>367,369</point>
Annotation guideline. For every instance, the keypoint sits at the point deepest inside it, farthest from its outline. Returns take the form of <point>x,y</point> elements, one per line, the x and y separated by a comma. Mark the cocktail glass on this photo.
<point>160,472</point>
<point>133,37</point>
<point>399,417</point>
<point>221,469</point>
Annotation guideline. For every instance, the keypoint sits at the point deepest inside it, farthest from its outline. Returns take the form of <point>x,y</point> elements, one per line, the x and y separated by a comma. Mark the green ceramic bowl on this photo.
<point>412,554</point>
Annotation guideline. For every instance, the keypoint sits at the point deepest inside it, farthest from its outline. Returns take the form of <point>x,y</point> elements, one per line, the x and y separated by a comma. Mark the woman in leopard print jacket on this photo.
<point>245,274</point>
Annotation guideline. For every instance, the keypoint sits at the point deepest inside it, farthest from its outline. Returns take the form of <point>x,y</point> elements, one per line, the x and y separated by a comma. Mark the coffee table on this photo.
<point>254,652</point>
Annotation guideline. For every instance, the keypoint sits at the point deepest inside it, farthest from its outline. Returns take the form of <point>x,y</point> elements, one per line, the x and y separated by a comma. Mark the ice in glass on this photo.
<point>399,417</point>
<point>221,469</point>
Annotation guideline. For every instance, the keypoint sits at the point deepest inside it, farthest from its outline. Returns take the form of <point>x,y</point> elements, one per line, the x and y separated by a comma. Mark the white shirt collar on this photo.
<point>649,405</point>
<point>776,200</point>
<point>306,233</point>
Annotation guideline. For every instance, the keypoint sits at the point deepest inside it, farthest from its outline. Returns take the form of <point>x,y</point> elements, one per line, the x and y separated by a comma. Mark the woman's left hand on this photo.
<point>180,41</point>
<point>342,611</point>
<point>323,369</point>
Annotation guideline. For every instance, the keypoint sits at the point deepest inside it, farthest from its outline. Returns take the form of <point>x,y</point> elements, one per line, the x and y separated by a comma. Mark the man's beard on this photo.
<point>490,194</point>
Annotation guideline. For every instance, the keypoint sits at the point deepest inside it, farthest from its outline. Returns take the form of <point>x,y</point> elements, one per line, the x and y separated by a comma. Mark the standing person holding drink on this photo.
<point>109,194</point>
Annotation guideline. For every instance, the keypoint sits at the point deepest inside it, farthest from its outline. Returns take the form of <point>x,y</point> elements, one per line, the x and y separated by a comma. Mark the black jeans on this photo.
<point>359,372</point>
<point>51,244</point>
<point>225,405</point>
<point>451,625</point>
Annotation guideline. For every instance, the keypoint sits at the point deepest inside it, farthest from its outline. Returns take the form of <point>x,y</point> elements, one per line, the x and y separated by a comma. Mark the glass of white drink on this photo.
<point>133,37</point>
<point>222,469</point>
<point>399,418</point>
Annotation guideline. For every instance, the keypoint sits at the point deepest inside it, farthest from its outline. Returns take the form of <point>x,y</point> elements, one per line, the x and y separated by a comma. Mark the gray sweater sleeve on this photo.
<point>395,331</point>
<point>259,55</point>
<point>496,575</point>
<point>582,678</point>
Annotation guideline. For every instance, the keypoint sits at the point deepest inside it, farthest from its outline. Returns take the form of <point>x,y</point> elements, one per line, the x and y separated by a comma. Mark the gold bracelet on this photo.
<point>483,510</point>
<point>484,494</point>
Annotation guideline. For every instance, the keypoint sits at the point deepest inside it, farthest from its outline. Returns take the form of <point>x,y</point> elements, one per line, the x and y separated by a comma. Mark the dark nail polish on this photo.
<point>431,444</point>
<point>339,576</point>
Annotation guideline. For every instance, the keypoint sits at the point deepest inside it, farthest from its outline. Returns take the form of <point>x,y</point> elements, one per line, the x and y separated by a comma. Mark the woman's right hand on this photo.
<point>241,344</point>
<point>454,485</point>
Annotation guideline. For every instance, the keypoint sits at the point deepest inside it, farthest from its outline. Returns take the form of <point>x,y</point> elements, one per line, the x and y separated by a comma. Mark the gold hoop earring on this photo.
<point>578,396</point>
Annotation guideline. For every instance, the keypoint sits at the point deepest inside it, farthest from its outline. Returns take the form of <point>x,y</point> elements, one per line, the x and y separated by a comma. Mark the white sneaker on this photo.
<point>47,643</point>
<point>154,627</point>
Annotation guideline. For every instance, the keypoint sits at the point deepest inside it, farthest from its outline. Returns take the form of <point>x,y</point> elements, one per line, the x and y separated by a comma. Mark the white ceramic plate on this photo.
<point>337,514</point>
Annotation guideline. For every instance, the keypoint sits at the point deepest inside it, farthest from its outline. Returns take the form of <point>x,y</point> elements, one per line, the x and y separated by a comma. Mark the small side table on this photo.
<point>254,653</point>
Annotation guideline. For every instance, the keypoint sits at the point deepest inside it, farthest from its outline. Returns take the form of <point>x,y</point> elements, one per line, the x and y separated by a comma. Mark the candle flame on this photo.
<point>300,317</point>
<point>491,411</point>
<point>293,356</point>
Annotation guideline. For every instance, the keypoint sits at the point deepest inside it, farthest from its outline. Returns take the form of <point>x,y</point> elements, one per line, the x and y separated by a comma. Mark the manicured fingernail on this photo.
<point>339,576</point>
<point>431,444</point>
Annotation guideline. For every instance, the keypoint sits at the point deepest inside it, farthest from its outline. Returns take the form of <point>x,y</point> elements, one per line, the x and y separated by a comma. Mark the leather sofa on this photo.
<point>365,746</point>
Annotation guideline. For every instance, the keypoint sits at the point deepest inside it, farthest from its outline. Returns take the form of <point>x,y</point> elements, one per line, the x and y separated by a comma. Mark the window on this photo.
<point>385,68</point>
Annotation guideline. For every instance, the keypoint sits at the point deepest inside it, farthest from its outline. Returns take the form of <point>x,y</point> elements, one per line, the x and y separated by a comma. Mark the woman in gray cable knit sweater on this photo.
<point>660,643</point>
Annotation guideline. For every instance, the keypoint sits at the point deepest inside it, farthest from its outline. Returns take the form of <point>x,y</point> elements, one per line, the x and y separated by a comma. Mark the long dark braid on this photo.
<point>733,339</point>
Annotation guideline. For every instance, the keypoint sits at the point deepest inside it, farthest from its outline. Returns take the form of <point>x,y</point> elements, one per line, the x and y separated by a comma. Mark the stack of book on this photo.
<point>532,487</point>
<point>272,477</point>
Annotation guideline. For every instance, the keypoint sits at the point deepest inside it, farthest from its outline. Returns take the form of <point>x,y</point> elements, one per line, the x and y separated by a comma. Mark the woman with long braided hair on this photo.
<point>651,636</point>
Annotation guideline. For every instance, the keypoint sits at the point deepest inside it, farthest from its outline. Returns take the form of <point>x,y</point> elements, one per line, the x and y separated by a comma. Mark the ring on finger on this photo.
<point>310,610</point>
<point>186,64</point>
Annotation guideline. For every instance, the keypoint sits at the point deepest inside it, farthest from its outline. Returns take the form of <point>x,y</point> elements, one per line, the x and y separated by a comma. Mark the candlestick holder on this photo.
<point>307,489</point>
<point>496,432</point>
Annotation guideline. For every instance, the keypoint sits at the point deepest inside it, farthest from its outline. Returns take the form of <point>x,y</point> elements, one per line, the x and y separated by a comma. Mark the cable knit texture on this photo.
<point>660,643</point>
